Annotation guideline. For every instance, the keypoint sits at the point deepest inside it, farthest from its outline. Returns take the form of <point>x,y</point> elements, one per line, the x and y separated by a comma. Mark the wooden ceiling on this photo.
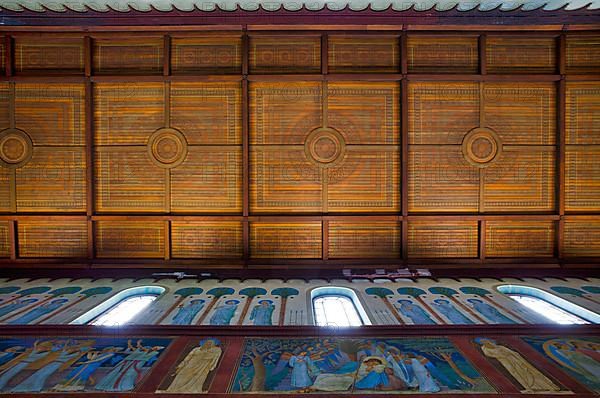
<point>303,149</point>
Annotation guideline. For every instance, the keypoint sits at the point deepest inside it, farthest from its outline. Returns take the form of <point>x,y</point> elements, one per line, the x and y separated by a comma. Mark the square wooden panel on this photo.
<point>582,178</point>
<point>521,113</point>
<point>39,238</point>
<point>5,188</point>
<point>127,113</point>
<point>364,240</point>
<point>364,54</point>
<point>126,239</point>
<point>521,180</point>
<point>282,179</point>
<point>365,112</point>
<point>284,113</point>
<point>521,55</point>
<point>48,54</point>
<point>54,180</point>
<point>367,180</point>
<point>285,54</point>
<point>4,239</point>
<point>127,181</point>
<point>128,56</point>
<point>440,180</point>
<point>208,181</point>
<point>4,106</point>
<point>206,239</point>
<point>207,113</point>
<point>582,124</point>
<point>441,113</point>
<point>520,238</point>
<point>211,54</point>
<point>285,240</point>
<point>51,114</point>
<point>442,239</point>
<point>439,54</point>
<point>583,54</point>
<point>581,237</point>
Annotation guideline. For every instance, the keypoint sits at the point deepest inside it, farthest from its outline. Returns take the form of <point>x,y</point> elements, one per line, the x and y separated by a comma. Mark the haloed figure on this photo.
<point>224,313</point>
<point>262,313</point>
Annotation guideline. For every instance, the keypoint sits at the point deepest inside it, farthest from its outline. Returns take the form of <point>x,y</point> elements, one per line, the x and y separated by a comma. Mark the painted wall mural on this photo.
<point>306,365</point>
<point>76,364</point>
<point>578,356</point>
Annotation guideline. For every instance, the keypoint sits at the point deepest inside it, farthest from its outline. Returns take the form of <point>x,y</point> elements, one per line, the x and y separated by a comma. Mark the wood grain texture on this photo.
<point>364,240</point>
<point>128,56</point>
<point>442,239</point>
<point>5,188</point>
<point>583,54</point>
<point>285,54</point>
<point>130,239</point>
<point>39,238</point>
<point>520,238</point>
<point>366,54</point>
<point>4,106</point>
<point>4,239</point>
<point>521,54</point>
<point>452,54</point>
<point>2,56</point>
<point>48,54</point>
<point>210,54</point>
<point>206,239</point>
<point>582,237</point>
<point>582,178</point>
<point>581,113</point>
<point>285,240</point>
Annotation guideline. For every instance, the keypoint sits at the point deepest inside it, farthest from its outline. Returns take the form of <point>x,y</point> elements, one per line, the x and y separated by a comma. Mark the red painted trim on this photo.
<point>165,363</point>
<point>228,365</point>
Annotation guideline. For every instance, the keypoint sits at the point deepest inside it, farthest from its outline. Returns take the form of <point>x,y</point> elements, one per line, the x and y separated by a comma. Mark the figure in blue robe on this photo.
<point>489,312</point>
<point>415,313</point>
<point>224,313</point>
<point>301,365</point>
<point>10,353</point>
<point>401,369</point>
<point>78,378</point>
<point>426,382</point>
<point>450,312</point>
<point>262,313</point>
<point>371,374</point>
<point>16,305</point>
<point>38,312</point>
<point>188,312</point>
<point>39,351</point>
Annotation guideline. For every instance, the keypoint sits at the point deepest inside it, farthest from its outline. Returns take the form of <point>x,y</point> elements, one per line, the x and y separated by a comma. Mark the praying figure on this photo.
<point>188,312</point>
<point>16,305</point>
<point>38,353</point>
<point>371,374</point>
<point>38,312</point>
<point>489,312</point>
<point>78,378</point>
<point>450,312</point>
<point>224,313</point>
<point>417,314</point>
<point>192,372</point>
<point>262,313</point>
<point>301,365</point>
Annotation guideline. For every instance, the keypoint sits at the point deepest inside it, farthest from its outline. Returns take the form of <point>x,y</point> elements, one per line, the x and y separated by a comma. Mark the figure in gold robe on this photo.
<point>192,372</point>
<point>531,379</point>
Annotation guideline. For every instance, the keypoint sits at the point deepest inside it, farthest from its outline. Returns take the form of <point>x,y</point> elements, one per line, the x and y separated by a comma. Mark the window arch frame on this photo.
<point>552,299</point>
<point>116,299</point>
<point>350,294</point>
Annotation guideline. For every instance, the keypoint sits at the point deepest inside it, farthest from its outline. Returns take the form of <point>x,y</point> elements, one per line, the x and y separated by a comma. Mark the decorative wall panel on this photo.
<point>210,54</point>
<point>582,108</point>
<point>368,240</point>
<point>364,54</point>
<point>283,240</point>
<point>582,237</point>
<point>39,238</point>
<point>4,105</point>
<point>452,54</point>
<point>583,54</point>
<point>582,178</point>
<point>285,54</point>
<point>42,53</point>
<point>131,56</point>
<point>6,185</point>
<point>442,239</point>
<point>521,54</point>
<point>130,239</point>
<point>4,239</point>
<point>520,238</point>
<point>206,239</point>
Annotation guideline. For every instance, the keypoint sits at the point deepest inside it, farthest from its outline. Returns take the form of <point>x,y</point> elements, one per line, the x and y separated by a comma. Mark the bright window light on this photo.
<point>124,311</point>
<point>334,310</point>
<point>548,310</point>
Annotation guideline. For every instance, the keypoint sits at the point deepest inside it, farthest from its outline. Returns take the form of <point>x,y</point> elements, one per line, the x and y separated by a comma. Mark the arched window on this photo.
<point>337,306</point>
<point>549,306</point>
<point>121,308</point>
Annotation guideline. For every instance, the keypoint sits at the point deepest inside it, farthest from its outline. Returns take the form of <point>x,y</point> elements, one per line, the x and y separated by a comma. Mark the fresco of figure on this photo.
<point>531,379</point>
<point>38,312</point>
<point>10,353</point>
<point>192,372</point>
<point>301,365</point>
<point>568,356</point>
<point>224,313</point>
<point>449,311</point>
<point>414,312</point>
<point>371,374</point>
<point>401,367</point>
<point>489,312</point>
<point>188,312</point>
<point>262,313</point>
<point>125,375</point>
<point>78,378</point>
<point>426,382</point>
<point>68,354</point>
<point>38,352</point>
<point>16,305</point>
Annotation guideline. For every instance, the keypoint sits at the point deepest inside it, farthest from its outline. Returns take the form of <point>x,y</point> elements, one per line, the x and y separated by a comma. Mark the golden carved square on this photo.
<point>192,239</point>
<point>285,240</point>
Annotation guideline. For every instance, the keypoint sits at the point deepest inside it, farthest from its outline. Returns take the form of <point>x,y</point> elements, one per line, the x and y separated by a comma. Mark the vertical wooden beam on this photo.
<point>8,56</point>
<point>245,147</point>
<point>89,142</point>
<point>324,54</point>
<point>13,239</point>
<point>404,52</point>
<point>166,55</point>
<point>404,156</point>
<point>482,54</point>
<point>167,239</point>
<point>12,99</point>
<point>87,55</point>
<point>325,239</point>
<point>482,241</point>
<point>561,143</point>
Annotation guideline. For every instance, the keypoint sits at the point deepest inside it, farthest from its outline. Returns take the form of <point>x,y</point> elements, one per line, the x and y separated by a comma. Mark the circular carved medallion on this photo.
<point>16,148</point>
<point>167,147</point>
<point>325,147</point>
<point>481,147</point>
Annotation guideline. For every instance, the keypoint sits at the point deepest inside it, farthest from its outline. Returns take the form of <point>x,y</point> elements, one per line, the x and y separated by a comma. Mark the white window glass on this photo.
<point>124,311</point>
<point>334,310</point>
<point>548,310</point>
